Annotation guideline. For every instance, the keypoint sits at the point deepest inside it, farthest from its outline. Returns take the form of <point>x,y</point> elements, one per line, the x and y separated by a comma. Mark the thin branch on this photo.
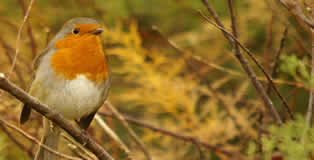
<point>277,56</point>
<point>29,31</point>
<point>79,147</point>
<point>209,64</point>
<point>259,88</point>
<point>295,9</point>
<point>301,43</point>
<point>310,107</point>
<point>115,149</point>
<point>268,44</point>
<point>171,134</point>
<point>10,59</point>
<point>20,59</point>
<point>111,133</point>
<point>3,122</point>
<point>198,59</point>
<point>17,48</point>
<point>19,144</point>
<point>77,152</point>
<point>309,113</point>
<point>234,30</point>
<point>187,54</point>
<point>270,80</point>
<point>118,116</point>
<point>78,134</point>
<point>232,39</point>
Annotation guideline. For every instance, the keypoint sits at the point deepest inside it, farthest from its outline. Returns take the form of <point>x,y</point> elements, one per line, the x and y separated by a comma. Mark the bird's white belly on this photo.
<point>72,98</point>
<point>77,97</point>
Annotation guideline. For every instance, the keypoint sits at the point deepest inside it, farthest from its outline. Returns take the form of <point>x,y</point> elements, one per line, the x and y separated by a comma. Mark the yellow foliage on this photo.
<point>162,85</point>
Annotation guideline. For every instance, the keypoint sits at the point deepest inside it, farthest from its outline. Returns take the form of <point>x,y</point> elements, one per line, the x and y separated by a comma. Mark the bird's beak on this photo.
<point>96,31</point>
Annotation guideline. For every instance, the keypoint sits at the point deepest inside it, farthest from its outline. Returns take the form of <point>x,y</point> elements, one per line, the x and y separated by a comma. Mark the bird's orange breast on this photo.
<point>80,56</point>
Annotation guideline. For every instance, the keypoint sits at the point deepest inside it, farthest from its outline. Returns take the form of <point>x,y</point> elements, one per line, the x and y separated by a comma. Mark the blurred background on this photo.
<point>172,70</point>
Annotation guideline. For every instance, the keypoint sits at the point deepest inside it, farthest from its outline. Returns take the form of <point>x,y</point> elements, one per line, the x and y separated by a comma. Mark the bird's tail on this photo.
<point>49,139</point>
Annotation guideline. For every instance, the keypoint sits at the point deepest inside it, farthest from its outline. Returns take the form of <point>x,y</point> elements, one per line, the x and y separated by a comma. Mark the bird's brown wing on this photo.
<point>25,114</point>
<point>26,111</point>
<point>85,121</point>
<point>37,60</point>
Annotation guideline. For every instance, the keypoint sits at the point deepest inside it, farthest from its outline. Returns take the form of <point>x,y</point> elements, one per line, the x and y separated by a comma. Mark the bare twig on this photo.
<point>277,56</point>
<point>79,147</point>
<point>269,78</point>
<point>12,50</point>
<point>78,134</point>
<point>19,144</point>
<point>236,45</point>
<point>3,122</point>
<point>268,44</point>
<point>10,59</point>
<point>257,63</point>
<point>77,152</point>
<point>194,57</point>
<point>111,133</point>
<point>309,112</point>
<point>209,64</point>
<point>115,147</point>
<point>259,88</point>
<point>187,54</point>
<point>311,100</point>
<point>278,13</point>
<point>171,134</point>
<point>232,39</point>
<point>29,31</point>
<point>118,116</point>
<point>17,48</point>
<point>293,6</point>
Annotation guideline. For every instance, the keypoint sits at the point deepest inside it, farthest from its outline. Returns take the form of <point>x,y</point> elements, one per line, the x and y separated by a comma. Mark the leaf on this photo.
<point>289,64</point>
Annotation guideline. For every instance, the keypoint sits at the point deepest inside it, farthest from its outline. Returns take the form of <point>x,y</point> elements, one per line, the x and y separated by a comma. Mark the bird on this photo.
<point>72,76</point>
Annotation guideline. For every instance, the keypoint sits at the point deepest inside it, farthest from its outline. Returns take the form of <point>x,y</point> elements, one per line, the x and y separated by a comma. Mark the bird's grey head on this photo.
<point>69,25</point>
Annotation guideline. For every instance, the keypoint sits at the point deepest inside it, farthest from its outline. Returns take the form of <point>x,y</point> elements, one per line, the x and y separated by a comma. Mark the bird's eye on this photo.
<point>75,31</point>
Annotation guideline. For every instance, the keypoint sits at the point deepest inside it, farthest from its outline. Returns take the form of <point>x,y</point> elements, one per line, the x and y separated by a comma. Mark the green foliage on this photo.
<point>292,65</point>
<point>294,140</point>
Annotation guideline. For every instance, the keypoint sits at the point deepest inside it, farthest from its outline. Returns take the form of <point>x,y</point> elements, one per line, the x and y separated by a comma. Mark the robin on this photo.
<point>72,77</point>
